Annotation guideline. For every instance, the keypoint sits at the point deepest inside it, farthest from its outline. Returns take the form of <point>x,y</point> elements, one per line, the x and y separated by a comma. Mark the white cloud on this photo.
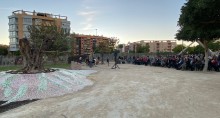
<point>89,17</point>
<point>88,27</point>
<point>88,14</point>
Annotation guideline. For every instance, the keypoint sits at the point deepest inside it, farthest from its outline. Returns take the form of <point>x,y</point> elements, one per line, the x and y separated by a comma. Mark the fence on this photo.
<point>17,60</point>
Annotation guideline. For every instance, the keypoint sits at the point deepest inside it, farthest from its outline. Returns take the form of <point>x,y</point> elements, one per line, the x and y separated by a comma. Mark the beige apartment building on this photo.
<point>155,45</point>
<point>20,20</point>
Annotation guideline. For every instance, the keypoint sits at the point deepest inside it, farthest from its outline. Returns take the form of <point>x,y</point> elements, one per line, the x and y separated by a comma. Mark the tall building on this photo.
<point>20,20</point>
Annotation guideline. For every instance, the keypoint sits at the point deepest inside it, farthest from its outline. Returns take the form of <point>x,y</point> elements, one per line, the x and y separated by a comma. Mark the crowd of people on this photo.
<point>194,62</point>
<point>179,62</point>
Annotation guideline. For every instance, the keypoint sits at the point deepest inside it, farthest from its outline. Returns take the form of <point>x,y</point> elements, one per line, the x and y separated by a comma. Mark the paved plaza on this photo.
<point>133,91</point>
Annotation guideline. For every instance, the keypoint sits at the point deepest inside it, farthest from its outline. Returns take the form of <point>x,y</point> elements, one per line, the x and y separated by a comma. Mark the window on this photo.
<point>27,20</point>
<point>13,40</point>
<point>13,20</point>
<point>25,27</point>
<point>10,33</point>
<point>13,34</point>
<point>13,27</point>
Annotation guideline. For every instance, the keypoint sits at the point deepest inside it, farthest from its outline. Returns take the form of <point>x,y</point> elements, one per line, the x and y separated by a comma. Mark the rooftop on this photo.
<point>39,14</point>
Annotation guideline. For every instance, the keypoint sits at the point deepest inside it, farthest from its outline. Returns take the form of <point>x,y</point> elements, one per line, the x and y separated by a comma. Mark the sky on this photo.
<point>128,20</point>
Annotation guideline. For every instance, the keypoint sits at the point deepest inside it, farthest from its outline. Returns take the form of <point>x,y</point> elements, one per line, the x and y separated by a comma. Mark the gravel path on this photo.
<point>134,92</point>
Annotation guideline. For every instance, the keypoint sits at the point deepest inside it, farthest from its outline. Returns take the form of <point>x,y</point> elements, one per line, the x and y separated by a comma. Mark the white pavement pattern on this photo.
<point>133,92</point>
<point>19,87</point>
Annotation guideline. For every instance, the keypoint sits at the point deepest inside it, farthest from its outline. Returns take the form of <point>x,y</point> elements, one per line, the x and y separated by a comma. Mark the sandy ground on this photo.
<point>133,92</point>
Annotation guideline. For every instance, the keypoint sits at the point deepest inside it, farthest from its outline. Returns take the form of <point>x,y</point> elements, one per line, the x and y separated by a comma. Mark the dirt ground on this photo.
<point>133,91</point>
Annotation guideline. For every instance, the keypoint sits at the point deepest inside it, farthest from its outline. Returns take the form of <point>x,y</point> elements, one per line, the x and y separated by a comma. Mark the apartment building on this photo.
<point>85,44</point>
<point>155,45</point>
<point>20,20</point>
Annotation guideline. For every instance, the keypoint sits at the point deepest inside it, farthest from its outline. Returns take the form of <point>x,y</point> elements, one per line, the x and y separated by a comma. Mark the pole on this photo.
<point>210,51</point>
<point>185,49</point>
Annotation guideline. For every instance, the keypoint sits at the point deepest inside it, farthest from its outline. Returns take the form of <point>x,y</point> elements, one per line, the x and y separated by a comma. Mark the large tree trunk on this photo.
<point>185,49</point>
<point>34,63</point>
<point>32,59</point>
<point>206,56</point>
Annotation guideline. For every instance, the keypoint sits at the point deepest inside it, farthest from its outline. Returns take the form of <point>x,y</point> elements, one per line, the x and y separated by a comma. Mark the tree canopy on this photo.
<point>199,20</point>
<point>178,48</point>
<point>3,49</point>
<point>48,38</point>
<point>106,46</point>
<point>120,46</point>
<point>143,49</point>
<point>103,47</point>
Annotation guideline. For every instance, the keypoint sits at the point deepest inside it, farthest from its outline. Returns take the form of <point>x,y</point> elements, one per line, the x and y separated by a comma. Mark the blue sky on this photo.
<point>128,20</point>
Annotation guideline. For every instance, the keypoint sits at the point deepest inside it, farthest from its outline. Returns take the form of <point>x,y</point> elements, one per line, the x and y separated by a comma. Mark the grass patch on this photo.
<point>6,68</point>
<point>17,67</point>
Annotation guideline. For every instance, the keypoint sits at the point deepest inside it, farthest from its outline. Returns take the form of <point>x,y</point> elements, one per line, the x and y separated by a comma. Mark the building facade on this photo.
<point>86,44</point>
<point>154,45</point>
<point>20,20</point>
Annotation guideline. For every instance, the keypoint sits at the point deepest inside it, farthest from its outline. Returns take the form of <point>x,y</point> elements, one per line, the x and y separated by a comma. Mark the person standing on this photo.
<point>80,60</point>
<point>108,61</point>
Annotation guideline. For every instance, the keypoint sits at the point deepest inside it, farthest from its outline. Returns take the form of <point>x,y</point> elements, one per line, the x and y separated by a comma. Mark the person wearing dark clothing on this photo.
<point>108,61</point>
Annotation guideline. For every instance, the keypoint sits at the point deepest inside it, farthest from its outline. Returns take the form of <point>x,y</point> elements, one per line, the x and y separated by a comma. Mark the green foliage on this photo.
<point>198,49</point>
<point>199,20</point>
<point>3,49</point>
<point>143,49</point>
<point>178,48</point>
<point>190,50</point>
<point>48,38</point>
<point>214,46</point>
<point>131,51</point>
<point>103,47</point>
<point>6,68</point>
<point>17,53</point>
<point>120,46</point>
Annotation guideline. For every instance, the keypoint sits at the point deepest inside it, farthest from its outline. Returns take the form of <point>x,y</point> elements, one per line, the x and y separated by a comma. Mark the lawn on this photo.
<point>16,67</point>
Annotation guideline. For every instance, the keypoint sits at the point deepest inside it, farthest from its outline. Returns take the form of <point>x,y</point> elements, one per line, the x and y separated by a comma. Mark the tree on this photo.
<point>143,49</point>
<point>214,46</point>
<point>59,47</point>
<point>120,46</point>
<point>42,38</point>
<point>103,47</point>
<point>16,53</point>
<point>190,50</point>
<point>3,50</point>
<point>200,20</point>
<point>106,46</point>
<point>178,48</point>
<point>198,49</point>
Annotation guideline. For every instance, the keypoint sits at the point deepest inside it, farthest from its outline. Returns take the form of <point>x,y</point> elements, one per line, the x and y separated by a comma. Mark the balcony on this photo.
<point>13,29</point>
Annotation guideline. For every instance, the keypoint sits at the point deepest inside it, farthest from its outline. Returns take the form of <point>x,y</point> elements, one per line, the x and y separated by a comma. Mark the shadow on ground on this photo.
<point>14,105</point>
